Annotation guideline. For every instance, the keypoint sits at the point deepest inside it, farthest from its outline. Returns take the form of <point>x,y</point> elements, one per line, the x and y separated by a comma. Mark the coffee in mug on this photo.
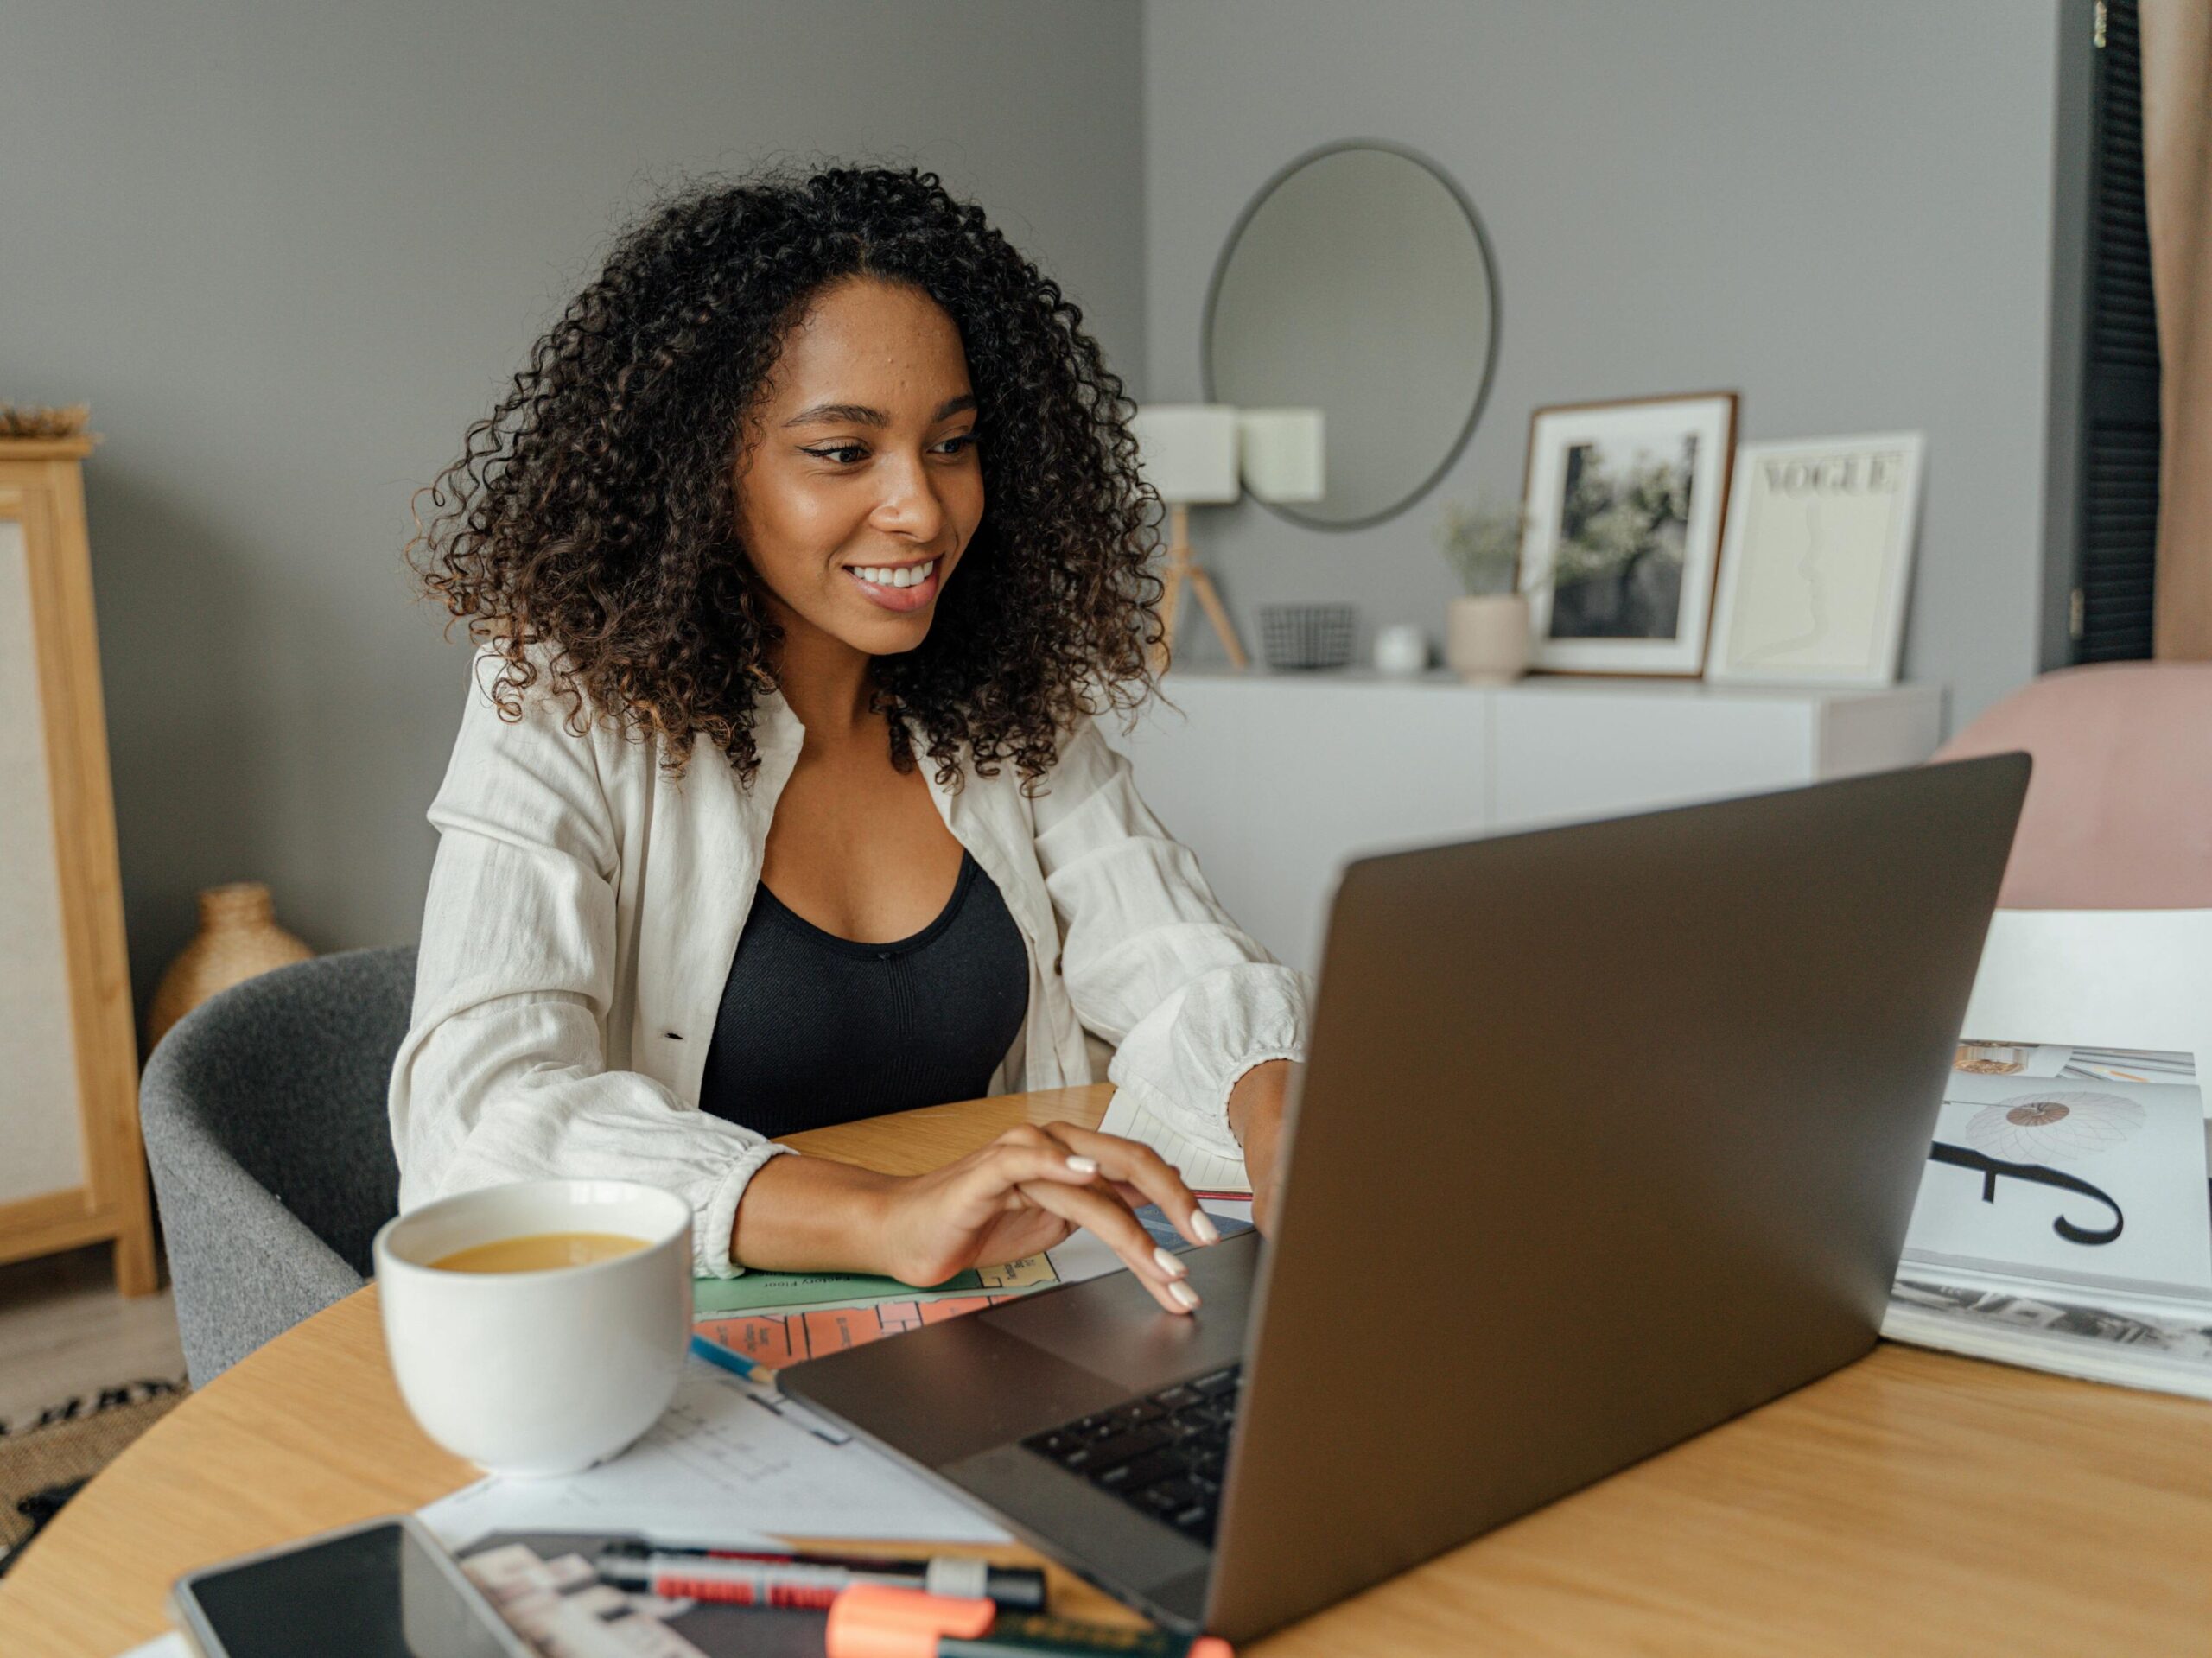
<point>540,1252</point>
<point>516,1354</point>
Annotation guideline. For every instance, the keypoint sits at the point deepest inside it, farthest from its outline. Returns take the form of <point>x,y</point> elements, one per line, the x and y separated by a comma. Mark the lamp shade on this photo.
<point>1282,450</point>
<point>1188,450</point>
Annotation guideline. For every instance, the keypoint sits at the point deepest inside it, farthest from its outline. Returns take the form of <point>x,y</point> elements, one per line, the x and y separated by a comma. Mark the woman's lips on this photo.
<point>899,599</point>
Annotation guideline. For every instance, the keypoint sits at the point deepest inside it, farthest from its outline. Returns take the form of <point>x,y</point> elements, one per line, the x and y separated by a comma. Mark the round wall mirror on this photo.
<point>1358,282</point>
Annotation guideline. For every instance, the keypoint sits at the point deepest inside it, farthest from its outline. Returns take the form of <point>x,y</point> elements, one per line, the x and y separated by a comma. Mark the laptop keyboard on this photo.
<point>1162,1454</point>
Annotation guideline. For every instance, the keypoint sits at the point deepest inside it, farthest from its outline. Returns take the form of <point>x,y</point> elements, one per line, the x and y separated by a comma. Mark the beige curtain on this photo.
<point>2177,182</point>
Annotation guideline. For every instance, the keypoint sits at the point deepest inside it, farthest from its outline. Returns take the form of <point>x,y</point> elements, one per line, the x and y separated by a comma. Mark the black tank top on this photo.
<point>815,1029</point>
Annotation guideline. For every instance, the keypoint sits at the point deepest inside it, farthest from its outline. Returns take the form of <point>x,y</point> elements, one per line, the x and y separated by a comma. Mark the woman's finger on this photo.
<point>989,1183</point>
<point>1008,1164</point>
<point>1098,1211</point>
<point>1127,1162</point>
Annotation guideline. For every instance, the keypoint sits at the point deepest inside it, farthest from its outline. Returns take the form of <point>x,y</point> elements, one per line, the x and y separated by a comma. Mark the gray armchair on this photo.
<point>266,1128</point>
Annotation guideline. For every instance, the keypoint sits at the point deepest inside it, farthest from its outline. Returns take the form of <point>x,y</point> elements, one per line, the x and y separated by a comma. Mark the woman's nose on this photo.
<point>910,506</point>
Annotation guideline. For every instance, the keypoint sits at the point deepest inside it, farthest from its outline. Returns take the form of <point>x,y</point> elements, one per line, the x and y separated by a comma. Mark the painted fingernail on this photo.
<point>1184,1294</point>
<point>1201,1224</point>
<point>1170,1264</point>
<point>1083,1165</point>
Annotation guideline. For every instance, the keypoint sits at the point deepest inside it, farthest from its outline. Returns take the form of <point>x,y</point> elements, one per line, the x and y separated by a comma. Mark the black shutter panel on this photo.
<point>2116,572</point>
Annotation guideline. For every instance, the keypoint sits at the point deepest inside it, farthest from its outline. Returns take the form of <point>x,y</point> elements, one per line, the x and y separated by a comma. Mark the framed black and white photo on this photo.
<point>1818,560</point>
<point>1624,504</point>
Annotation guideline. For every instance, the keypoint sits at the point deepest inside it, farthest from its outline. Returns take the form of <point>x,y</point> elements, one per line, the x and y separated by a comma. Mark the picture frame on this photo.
<point>1624,503</point>
<point>1817,570</point>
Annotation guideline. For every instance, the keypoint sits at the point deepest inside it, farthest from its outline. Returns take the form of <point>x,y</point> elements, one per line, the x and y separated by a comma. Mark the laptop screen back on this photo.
<point>1610,1134</point>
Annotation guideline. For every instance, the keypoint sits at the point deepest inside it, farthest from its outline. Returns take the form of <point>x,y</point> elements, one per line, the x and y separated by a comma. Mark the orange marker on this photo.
<point>872,1621</point>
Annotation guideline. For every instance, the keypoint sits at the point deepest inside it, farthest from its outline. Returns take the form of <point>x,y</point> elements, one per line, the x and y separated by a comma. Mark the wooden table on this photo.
<point>1911,1504</point>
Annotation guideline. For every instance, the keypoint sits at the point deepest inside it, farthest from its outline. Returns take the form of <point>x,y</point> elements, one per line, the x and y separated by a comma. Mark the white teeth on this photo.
<point>906,576</point>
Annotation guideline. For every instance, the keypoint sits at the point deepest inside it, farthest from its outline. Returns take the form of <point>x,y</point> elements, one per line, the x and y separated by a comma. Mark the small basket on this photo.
<point>1304,639</point>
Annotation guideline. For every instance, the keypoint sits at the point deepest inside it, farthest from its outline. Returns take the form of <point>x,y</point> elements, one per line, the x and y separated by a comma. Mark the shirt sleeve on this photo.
<point>502,1076</point>
<point>1150,959</point>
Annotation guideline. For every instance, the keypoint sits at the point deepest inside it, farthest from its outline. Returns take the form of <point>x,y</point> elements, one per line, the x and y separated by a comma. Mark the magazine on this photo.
<point>2065,1220</point>
<point>547,1589</point>
<point>762,1323</point>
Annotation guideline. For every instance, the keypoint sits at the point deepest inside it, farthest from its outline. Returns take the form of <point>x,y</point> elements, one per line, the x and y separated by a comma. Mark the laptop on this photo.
<point>1608,1134</point>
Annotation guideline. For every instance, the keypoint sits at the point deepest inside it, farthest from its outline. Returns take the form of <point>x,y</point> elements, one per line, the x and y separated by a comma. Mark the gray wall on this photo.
<point>1843,211</point>
<point>288,253</point>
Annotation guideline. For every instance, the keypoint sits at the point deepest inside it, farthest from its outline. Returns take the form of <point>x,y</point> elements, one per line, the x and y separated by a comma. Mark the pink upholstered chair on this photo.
<point>2118,813</point>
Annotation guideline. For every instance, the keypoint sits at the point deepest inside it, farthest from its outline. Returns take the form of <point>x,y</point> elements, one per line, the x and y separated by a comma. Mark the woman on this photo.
<point>799,558</point>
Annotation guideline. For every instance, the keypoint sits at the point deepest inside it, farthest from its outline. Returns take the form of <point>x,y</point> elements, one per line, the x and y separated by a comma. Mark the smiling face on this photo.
<point>862,487</point>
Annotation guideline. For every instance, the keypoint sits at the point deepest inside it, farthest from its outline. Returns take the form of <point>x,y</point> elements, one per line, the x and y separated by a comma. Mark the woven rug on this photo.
<point>46,1458</point>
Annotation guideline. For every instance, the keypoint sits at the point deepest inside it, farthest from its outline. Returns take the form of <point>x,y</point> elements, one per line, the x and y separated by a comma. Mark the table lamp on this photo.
<point>1279,452</point>
<point>1189,454</point>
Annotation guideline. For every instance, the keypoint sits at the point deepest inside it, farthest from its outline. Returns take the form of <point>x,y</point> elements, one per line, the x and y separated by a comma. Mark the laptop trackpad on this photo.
<point>1112,1325</point>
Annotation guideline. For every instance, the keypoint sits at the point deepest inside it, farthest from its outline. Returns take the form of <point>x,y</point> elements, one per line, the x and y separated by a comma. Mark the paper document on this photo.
<point>1203,1168</point>
<point>727,1458</point>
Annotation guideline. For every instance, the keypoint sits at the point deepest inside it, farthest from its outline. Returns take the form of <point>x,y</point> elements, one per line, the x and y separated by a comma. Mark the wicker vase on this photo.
<point>239,937</point>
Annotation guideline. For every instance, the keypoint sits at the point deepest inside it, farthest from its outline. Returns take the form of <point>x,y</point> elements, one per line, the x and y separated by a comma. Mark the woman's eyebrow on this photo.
<point>859,413</point>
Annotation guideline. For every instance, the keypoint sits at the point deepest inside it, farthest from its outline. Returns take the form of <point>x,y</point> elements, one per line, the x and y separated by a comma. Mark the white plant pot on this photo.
<point>1486,640</point>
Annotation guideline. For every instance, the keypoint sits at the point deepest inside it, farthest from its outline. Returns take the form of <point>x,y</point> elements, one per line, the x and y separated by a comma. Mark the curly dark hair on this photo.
<point>590,529</point>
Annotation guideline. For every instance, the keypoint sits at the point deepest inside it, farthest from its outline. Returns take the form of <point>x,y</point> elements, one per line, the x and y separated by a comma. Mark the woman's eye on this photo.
<point>850,455</point>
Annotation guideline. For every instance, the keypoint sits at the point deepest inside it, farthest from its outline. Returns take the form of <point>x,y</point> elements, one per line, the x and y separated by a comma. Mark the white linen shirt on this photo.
<point>584,909</point>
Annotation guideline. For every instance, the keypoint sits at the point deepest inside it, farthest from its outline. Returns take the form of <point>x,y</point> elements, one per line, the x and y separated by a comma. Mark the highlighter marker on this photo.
<point>872,1621</point>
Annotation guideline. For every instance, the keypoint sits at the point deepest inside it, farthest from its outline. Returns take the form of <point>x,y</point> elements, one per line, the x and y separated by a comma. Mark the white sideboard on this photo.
<point>1274,779</point>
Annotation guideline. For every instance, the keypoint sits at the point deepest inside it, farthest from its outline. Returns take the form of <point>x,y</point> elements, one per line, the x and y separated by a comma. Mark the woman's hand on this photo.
<point>1031,1188</point>
<point>1255,1108</point>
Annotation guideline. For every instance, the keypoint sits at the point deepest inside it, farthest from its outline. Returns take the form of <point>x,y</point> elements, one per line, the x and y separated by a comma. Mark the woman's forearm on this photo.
<point>1256,1108</point>
<point>1016,1196</point>
<point>1256,1103</point>
<point>811,1215</point>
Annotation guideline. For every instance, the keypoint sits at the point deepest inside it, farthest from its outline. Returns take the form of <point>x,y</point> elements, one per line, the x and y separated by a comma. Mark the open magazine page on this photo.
<point>2065,1222</point>
<point>2098,1185</point>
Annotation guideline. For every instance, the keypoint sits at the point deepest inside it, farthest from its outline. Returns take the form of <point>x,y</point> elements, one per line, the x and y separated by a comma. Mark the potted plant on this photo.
<point>1486,633</point>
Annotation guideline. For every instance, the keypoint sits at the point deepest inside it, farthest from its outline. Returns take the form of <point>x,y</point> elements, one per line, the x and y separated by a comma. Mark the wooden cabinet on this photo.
<point>72,1171</point>
<point>1274,779</point>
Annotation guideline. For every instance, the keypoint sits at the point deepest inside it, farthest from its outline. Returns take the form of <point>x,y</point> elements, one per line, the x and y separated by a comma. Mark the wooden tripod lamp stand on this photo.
<point>1189,454</point>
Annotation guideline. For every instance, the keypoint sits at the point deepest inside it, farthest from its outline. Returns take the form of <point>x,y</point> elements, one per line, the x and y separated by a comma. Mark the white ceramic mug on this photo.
<point>541,1372</point>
